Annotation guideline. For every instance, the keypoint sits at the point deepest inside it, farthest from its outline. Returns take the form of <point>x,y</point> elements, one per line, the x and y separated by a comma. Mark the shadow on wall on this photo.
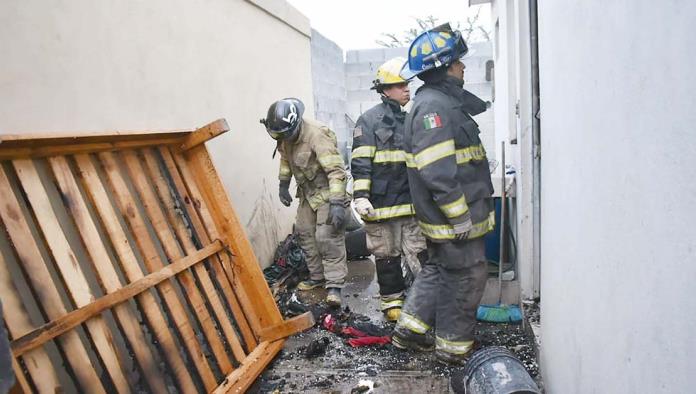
<point>262,228</point>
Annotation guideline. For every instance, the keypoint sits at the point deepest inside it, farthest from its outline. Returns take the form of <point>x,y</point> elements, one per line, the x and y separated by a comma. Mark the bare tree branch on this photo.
<point>485,33</point>
<point>472,30</point>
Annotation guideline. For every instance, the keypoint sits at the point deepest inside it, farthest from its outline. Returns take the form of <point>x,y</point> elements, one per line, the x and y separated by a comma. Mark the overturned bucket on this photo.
<point>493,370</point>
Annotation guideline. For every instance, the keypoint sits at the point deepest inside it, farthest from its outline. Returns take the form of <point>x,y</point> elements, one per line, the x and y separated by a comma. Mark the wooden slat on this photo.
<point>171,249</point>
<point>198,213</point>
<point>243,377</point>
<point>70,149</point>
<point>53,138</point>
<point>67,322</point>
<point>204,134</point>
<point>72,274</point>
<point>287,327</point>
<point>128,207</point>
<point>22,380</point>
<point>18,322</point>
<point>247,268</point>
<point>177,221</point>
<point>132,270</point>
<point>43,285</point>
<point>229,268</point>
<point>106,273</point>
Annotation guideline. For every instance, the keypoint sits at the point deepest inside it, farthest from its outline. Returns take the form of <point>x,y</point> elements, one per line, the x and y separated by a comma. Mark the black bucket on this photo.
<point>493,370</point>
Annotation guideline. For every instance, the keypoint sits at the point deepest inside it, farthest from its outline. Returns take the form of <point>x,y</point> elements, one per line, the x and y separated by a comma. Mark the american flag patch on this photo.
<point>431,121</point>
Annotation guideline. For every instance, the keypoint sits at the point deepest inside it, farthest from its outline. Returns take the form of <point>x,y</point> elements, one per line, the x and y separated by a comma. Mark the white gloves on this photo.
<point>364,207</point>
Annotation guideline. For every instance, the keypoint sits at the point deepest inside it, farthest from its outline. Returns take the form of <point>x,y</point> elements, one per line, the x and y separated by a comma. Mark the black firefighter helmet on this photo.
<point>284,118</point>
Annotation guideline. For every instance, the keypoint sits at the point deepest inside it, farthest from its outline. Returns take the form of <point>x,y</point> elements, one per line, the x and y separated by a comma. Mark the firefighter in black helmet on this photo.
<point>308,151</point>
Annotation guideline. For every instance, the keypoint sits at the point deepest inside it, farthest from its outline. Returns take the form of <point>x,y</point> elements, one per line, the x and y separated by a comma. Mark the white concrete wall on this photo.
<point>81,65</point>
<point>618,99</point>
<point>513,117</point>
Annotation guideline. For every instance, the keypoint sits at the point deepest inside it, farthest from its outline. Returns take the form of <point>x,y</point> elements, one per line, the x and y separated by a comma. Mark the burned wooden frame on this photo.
<point>124,267</point>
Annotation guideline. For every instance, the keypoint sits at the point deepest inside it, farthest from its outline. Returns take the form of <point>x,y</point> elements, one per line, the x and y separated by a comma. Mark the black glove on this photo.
<point>337,214</point>
<point>284,193</point>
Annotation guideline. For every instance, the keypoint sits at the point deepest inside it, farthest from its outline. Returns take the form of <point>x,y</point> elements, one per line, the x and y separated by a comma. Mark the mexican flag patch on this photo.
<point>431,121</point>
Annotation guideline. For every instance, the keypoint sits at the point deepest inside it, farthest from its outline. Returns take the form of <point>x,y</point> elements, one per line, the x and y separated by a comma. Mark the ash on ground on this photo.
<point>341,367</point>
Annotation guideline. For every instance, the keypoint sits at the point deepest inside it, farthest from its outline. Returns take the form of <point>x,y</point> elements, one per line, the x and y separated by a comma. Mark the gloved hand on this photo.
<point>364,207</point>
<point>462,230</point>
<point>337,214</point>
<point>284,193</point>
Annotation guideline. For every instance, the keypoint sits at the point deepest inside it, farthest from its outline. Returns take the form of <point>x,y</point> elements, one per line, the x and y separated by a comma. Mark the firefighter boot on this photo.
<point>406,339</point>
<point>310,284</point>
<point>333,298</point>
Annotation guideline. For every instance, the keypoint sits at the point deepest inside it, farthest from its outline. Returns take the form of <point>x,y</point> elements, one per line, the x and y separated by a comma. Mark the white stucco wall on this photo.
<point>80,65</point>
<point>618,99</point>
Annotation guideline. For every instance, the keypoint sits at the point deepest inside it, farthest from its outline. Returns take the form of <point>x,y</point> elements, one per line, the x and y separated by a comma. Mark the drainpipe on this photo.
<point>536,143</point>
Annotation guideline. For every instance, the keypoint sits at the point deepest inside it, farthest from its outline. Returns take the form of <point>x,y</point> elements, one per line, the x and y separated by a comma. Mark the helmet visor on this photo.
<point>460,47</point>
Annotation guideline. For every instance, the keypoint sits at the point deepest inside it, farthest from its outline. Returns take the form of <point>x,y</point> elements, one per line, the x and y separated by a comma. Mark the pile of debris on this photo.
<point>289,265</point>
<point>332,357</point>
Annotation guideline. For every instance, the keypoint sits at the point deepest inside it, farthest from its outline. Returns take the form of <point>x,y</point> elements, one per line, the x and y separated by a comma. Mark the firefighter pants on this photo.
<point>324,246</point>
<point>389,242</point>
<point>446,294</point>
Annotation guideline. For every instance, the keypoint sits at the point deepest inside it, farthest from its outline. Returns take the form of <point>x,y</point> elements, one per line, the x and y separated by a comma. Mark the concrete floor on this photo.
<point>342,368</point>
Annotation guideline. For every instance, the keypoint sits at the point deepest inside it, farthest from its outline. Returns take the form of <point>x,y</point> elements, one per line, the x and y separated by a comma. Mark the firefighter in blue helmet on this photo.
<point>381,190</point>
<point>451,190</point>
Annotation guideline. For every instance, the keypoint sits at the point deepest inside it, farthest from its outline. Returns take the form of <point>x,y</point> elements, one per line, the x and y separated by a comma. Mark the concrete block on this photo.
<point>371,55</point>
<point>366,81</point>
<point>360,95</point>
<point>358,69</point>
<point>351,56</point>
<point>352,82</point>
<point>390,53</point>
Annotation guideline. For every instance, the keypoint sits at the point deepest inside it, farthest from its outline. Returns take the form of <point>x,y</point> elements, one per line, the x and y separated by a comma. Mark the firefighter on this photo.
<point>308,152</point>
<point>451,190</point>
<point>380,190</point>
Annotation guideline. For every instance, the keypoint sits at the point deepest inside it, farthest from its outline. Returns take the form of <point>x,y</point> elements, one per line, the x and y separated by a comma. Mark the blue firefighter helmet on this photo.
<point>437,47</point>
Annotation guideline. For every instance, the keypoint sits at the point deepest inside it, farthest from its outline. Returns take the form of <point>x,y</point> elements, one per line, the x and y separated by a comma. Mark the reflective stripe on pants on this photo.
<point>447,292</point>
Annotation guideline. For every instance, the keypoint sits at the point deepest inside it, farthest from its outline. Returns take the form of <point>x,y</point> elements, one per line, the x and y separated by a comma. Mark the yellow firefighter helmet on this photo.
<point>388,73</point>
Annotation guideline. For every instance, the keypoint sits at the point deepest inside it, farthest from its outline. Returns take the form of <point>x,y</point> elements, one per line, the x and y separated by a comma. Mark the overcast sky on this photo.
<point>356,24</point>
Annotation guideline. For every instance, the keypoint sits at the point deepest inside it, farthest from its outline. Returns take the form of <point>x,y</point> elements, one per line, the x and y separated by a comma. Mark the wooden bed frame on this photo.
<point>124,267</point>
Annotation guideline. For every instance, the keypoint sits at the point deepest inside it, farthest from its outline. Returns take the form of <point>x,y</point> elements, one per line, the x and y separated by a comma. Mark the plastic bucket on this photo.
<point>493,370</point>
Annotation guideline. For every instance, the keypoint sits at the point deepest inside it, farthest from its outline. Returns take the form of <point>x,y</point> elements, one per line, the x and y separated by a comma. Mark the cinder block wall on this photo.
<point>328,80</point>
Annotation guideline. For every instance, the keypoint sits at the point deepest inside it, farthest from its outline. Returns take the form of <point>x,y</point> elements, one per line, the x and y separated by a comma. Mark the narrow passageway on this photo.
<point>342,369</point>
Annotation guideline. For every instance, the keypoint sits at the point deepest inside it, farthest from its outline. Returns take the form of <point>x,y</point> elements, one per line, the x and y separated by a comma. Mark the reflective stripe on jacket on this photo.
<point>447,164</point>
<point>378,161</point>
<point>316,164</point>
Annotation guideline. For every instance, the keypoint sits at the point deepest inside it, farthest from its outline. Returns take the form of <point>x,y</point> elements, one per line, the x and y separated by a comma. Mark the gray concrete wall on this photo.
<point>618,234</point>
<point>82,65</point>
<point>328,80</point>
<point>361,70</point>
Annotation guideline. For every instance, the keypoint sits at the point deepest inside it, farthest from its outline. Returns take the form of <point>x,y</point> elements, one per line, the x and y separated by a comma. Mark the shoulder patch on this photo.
<point>431,121</point>
<point>357,132</point>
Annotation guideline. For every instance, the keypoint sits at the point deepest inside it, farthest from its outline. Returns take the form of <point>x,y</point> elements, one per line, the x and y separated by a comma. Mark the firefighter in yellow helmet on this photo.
<point>381,190</point>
